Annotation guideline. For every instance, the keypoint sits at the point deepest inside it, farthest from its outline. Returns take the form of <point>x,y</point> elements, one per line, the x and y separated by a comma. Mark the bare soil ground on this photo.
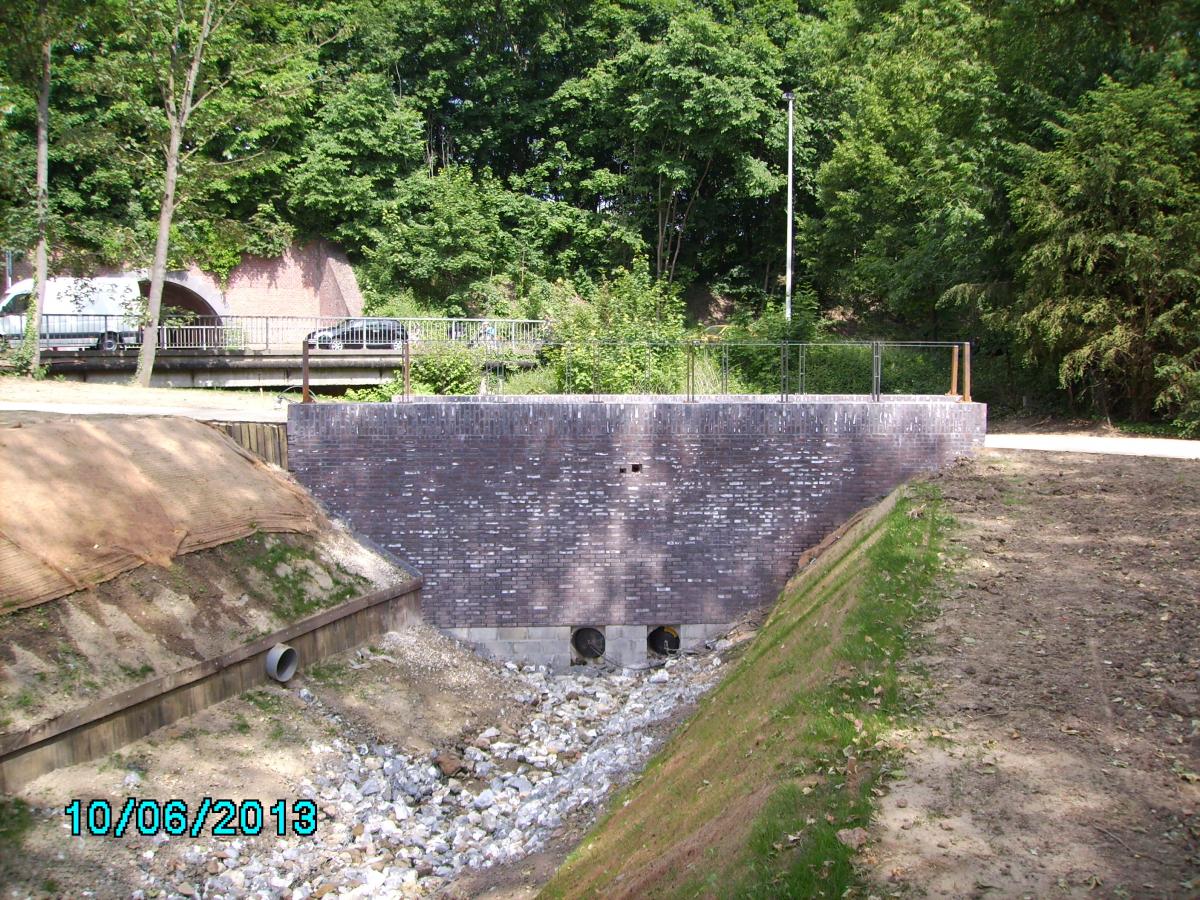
<point>1063,742</point>
<point>152,621</point>
<point>257,746</point>
<point>1051,425</point>
<point>418,691</point>
<point>252,747</point>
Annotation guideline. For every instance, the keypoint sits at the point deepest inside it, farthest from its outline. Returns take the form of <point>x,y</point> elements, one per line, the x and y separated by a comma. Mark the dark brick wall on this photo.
<point>518,513</point>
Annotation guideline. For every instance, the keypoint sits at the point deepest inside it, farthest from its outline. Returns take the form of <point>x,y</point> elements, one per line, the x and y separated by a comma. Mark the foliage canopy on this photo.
<point>1021,174</point>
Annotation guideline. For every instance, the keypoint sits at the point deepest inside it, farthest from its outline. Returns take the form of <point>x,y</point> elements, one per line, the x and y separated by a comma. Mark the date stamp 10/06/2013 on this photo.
<point>178,818</point>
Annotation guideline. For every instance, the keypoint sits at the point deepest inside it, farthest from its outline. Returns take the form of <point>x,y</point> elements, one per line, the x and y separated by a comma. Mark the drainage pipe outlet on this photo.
<point>588,642</point>
<point>282,661</point>
<point>663,640</point>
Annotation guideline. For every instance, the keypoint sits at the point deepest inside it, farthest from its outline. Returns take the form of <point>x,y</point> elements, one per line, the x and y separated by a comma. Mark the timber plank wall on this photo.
<point>265,440</point>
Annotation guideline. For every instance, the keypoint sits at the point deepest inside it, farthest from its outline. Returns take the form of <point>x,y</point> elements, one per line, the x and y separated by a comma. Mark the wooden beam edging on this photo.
<point>95,730</point>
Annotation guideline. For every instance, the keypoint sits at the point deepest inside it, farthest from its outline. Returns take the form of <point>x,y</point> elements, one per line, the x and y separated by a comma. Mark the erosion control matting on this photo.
<point>87,499</point>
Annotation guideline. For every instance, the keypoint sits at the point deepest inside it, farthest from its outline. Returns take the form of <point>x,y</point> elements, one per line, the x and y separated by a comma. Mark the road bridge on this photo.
<point>227,369</point>
<point>267,351</point>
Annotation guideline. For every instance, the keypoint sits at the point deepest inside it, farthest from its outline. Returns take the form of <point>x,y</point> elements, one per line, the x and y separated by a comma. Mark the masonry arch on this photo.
<point>183,291</point>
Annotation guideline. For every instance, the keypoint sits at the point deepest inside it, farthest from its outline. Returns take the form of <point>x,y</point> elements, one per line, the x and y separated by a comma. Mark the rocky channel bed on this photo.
<point>396,824</point>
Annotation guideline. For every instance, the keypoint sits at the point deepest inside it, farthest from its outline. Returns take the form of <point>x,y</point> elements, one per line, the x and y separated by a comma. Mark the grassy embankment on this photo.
<point>749,796</point>
<point>15,821</point>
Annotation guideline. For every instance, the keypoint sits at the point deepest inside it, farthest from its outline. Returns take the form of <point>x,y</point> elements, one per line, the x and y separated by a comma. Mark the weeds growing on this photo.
<point>749,797</point>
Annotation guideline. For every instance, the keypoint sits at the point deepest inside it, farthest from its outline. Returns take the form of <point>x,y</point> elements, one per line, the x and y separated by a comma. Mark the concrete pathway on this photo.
<point>18,395</point>
<point>1088,443</point>
<point>204,414</point>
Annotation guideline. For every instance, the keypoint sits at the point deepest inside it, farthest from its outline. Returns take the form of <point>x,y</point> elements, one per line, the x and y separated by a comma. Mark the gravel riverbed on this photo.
<point>393,824</point>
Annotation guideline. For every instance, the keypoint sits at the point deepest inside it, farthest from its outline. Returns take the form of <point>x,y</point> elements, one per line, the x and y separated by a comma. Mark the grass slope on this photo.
<point>748,798</point>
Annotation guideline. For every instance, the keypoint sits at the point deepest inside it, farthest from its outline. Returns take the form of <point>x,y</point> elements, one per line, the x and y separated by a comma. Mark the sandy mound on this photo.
<point>85,500</point>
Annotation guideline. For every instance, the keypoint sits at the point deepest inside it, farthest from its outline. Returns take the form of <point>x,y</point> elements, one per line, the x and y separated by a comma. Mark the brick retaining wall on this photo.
<point>558,512</point>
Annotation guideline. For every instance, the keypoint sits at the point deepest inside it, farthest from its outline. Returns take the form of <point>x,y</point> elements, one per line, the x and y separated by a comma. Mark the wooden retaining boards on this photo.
<point>99,728</point>
<point>265,440</point>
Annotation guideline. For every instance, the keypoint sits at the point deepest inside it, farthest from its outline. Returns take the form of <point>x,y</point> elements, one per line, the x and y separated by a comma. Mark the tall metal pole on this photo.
<point>790,97</point>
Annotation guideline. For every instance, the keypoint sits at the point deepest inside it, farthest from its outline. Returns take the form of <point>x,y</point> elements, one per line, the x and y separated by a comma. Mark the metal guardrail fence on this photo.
<point>274,334</point>
<point>687,368</point>
<point>788,368</point>
<point>712,368</point>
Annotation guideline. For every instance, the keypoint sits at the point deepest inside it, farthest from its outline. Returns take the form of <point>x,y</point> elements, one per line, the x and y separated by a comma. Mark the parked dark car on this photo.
<point>360,334</point>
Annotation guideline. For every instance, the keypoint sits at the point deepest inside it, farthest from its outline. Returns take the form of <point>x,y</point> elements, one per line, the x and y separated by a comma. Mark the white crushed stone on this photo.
<point>339,545</point>
<point>393,825</point>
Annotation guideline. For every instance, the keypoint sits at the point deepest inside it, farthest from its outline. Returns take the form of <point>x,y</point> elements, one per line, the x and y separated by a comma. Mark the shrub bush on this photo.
<point>448,370</point>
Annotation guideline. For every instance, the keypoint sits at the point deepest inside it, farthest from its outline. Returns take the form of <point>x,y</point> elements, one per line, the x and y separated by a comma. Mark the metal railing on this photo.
<point>786,368</point>
<point>270,334</point>
<point>691,369</point>
<point>507,346</point>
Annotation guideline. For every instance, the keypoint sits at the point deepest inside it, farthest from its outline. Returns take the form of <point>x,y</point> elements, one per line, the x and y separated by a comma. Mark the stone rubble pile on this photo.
<point>394,825</point>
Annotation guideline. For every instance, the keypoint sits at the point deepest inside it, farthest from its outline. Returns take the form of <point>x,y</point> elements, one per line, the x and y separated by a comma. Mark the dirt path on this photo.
<point>1064,740</point>
<point>1118,445</point>
<point>80,398</point>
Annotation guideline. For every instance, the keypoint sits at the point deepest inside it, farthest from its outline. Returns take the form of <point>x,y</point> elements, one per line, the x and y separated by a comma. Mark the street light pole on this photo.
<point>790,97</point>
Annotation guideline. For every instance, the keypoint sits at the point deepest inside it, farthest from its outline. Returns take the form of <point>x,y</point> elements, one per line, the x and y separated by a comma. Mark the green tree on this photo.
<point>482,74</point>
<point>907,196</point>
<point>465,243</point>
<point>676,123</point>
<point>1111,266</point>
<point>439,234</point>
<point>208,81</point>
<point>28,34</point>
<point>628,338</point>
<point>362,142</point>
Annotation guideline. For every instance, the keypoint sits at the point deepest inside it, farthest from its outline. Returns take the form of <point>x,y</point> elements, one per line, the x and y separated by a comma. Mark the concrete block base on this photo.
<point>550,645</point>
<point>691,636</point>
<point>625,645</point>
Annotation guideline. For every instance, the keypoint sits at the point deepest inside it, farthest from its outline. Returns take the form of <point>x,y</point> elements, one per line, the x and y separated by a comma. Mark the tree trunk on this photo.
<point>662,230</point>
<point>158,270</point>
<point>33,321</point>
<point>687,214</point>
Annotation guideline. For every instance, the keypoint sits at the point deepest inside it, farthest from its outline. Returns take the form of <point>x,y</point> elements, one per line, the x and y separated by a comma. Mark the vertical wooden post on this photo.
<point>953,371</point>
<point>407,372</point>
<point>783,371</point>
<point>967,371</point>
<point>691,372</point>
<point>304,395</point>
<point>876,369</point>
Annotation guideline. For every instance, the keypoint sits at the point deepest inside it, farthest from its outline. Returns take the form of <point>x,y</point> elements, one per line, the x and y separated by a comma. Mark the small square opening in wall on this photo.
<point>622,470</point>
<point>636,467</point>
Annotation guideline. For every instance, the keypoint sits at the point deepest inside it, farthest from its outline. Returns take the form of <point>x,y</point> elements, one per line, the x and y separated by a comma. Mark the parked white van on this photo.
<point>79,312</point>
